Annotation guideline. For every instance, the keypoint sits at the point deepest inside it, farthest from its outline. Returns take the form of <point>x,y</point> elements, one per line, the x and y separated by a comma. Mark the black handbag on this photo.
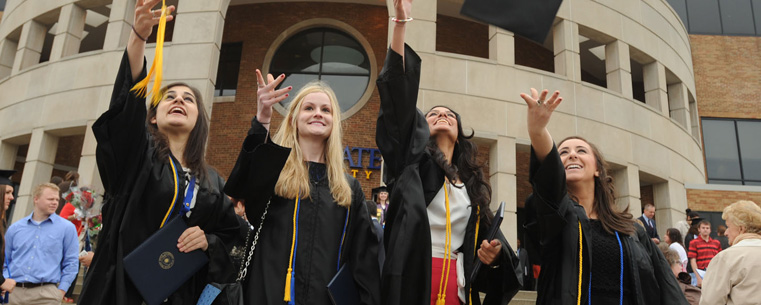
<point>232,293</point>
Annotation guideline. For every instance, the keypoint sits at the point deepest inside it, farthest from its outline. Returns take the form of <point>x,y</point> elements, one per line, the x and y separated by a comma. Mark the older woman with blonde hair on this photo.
<point>732,276</point>
<point>312,215</point>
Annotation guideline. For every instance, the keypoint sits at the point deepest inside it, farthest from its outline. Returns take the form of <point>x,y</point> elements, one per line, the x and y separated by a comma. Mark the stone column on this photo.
<point>421,33</point>
<point>197,39</point>
<point>679,105</point>
<point>8,153</point>
<point>565,38</point>
<point>656,94</point>
<point>670,202</point>
<point>502,170</point>
<point>68,32</point>
<point>627,185</point>
<point>8,50</point>
<point>618,68</point>
<point>501,46</point>
<point>119,24</point>
<point>88,167</point>
<point>29,46</point>
<point>37,169</point>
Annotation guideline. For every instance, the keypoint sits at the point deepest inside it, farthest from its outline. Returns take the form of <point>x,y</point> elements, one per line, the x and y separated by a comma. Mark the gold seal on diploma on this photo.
<point>166,260</point>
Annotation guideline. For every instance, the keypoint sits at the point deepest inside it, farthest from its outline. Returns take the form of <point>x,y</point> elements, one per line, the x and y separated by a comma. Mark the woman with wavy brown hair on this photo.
<point>590,249</point>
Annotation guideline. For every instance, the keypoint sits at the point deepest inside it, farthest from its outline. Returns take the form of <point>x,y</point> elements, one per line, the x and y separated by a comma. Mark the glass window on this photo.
<point>325,54</point>
<point>681,9</point>
<point>704,16</point>
<point>749,136</point>
<point>733,151</point>
<point>757,15</point>
<point>737,17</point>
<point>722,160</point>
<point>227,71</point>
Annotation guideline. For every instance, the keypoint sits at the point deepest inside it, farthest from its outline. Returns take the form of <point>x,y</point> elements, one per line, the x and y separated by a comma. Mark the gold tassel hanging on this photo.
<point>157,66</point>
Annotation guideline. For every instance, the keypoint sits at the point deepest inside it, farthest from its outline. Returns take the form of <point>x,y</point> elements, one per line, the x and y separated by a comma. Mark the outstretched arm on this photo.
<point>403,10</point>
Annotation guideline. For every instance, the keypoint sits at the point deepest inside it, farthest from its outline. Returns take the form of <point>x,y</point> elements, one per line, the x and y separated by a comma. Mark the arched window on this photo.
<point>326,54</point>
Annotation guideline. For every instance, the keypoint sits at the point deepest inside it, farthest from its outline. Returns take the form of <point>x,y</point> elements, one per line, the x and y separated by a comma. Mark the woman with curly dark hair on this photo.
<point>436,227</point>
<point>590,249</point>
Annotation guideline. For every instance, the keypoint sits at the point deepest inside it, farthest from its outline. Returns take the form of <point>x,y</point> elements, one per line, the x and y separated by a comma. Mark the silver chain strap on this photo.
<point>244,268</point>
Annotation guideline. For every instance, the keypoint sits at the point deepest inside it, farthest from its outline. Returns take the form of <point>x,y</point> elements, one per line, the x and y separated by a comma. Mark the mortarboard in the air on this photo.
<point>529,18</point>
<point>5,176</point>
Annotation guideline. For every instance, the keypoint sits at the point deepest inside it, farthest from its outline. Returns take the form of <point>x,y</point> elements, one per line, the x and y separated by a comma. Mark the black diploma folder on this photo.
<point>342,289</point>
<point>157,267</point>
<point>495,223</point>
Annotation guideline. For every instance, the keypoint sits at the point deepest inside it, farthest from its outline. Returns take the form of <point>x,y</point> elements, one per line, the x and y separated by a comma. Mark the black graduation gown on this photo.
<point>401,136</point>
<point>138,192</point>
<point>320,227</point>
<point>552,220</point>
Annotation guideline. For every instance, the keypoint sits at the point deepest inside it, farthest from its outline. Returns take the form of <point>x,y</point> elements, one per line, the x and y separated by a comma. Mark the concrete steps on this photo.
<point>524,298</point>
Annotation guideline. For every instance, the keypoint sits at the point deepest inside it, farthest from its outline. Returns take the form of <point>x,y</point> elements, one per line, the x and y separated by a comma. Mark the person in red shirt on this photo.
<point>68,213</point>
<point>702,250</point>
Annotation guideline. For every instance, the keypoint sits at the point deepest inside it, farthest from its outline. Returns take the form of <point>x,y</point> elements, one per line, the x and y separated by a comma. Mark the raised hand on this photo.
<point>266,96</point>
<point>403,8</point>
<point>146,17</point>
<point>539,112</point>
<point>142,27</point>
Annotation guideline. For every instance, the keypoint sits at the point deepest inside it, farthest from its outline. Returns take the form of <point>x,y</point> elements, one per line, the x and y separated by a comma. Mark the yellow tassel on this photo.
<point>157,66</point>
<point>288,275</point>
<point>287,296</point>
<point>441,301</point>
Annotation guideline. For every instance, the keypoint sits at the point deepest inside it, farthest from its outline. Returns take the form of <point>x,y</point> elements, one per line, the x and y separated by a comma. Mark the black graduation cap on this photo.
<point>5,176</point>
<point>695,221</point>
<point>529,18</point>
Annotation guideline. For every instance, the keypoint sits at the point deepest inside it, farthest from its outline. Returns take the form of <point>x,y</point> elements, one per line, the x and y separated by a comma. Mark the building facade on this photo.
<point>624,68</point>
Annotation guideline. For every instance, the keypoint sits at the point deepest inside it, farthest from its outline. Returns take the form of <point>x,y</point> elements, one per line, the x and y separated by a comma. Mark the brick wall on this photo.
<point>257,26</point>
<point>711,200</point>
<point>522,163</point>
<point>727,75</point>
<point>462,37</point>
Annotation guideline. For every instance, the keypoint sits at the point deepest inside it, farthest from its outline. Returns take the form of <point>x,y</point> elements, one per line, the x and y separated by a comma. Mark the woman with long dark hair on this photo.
<point>6,193</point>
<point>591,250</point>
<point>436,225</point>
<point>315,217</point>
<point>674,240</point>
<point>152,164</point>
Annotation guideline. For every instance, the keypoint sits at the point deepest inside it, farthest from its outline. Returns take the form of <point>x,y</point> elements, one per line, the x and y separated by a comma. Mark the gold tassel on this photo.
<point>157,66</point>
<point>287,296</point>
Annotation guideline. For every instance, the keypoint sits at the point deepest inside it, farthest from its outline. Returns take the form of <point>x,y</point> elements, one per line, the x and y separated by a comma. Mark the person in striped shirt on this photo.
<point>702,250</point>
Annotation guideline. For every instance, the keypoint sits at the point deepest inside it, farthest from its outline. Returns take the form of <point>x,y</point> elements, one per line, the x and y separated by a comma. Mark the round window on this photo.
<point>326,54</point>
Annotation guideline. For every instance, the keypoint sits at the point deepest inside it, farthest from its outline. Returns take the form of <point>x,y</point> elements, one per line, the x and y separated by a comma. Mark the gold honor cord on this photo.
<point>447,249</point>
<point>156,68</point>
<point>174,198</point>
<point>287,295</point>
<point>581,266</point>
<point>475,245</point>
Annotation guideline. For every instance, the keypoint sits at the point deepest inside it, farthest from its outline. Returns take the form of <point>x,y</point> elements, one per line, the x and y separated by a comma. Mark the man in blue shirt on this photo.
<point>41,252</point>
